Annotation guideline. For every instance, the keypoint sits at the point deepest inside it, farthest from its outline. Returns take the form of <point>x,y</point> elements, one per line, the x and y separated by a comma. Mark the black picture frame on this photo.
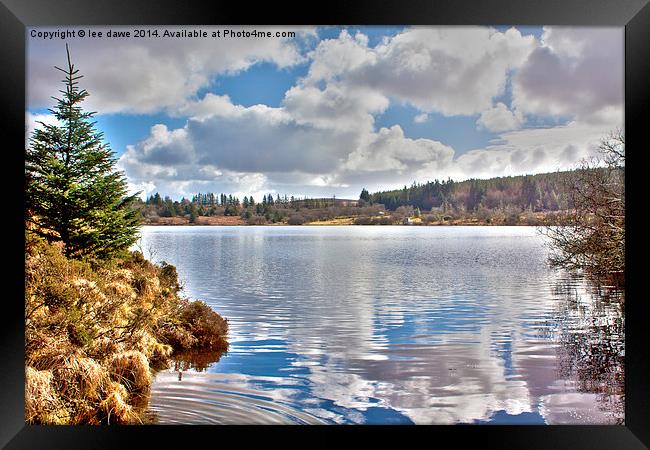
<point>17,15</point>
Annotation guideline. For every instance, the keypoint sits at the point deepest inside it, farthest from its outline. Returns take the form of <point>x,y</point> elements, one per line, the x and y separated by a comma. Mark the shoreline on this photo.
<point>316,224</point>
<point>90,352</point>
<point>342,222</point>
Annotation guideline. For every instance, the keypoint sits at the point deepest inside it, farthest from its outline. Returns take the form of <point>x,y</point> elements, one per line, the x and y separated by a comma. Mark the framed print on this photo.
<point>366,219</point>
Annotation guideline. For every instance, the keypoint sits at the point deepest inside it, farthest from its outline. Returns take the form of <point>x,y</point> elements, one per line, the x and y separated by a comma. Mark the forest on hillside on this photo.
<point>514,200</point>
<point>542,192</point>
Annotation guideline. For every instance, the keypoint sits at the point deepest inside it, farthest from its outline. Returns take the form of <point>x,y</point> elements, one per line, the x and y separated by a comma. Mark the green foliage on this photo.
<point>231,210</point>
<point>541,192</point>
<point>365,195</point>
<point>518,200</point>
<point>193,215</point>
<point>74,192</point>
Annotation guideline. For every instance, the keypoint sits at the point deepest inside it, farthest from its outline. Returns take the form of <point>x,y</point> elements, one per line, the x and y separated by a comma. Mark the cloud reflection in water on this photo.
<point>425,325</point>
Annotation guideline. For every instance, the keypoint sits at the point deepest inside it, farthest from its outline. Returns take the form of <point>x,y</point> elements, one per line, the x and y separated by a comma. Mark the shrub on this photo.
<point>363,220</point>
<point>256,220</point>
<point>198,327</point>
<point>169,277</point>
<point>591,235</point>
<point>296,219</point>
<point>512,218</point>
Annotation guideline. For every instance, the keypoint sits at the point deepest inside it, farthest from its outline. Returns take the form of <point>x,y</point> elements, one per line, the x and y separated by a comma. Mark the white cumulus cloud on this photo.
<point>149,75</point>
<point>575,72</point>
<point>451,70</point>
<point>500,118</point>
<point>324,132</point>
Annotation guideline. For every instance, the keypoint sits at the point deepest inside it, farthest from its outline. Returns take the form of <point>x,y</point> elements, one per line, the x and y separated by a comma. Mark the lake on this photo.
<point>390,325</point>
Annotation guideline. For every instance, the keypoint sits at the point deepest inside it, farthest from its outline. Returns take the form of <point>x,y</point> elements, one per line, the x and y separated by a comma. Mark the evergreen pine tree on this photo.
<point>73,191</point>
<point>365,195</point>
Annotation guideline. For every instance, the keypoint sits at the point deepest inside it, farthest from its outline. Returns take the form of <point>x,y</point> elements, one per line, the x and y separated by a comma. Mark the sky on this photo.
<point>331,110</point>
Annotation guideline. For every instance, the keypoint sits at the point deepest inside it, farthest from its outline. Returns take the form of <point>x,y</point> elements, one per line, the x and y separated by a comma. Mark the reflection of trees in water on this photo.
<point>195,360</point>
<point>591,334</point>
<point>198,360</point>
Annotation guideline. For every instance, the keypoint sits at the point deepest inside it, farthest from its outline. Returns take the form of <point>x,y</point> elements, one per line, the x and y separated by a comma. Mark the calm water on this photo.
<point>390,325</point>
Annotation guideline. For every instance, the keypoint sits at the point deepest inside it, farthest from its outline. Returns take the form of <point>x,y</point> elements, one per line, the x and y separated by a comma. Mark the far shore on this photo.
<point>343,221</point>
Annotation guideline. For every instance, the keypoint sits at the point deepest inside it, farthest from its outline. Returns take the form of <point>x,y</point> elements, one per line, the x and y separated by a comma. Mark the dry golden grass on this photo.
<point>116,406</point>
<point>131,369</point>
<point>337,221</point>
<point>79,377</point>
<point>95,331</point>
<point>41,402</point>
<point>220,220</point>
<point>168,221</point>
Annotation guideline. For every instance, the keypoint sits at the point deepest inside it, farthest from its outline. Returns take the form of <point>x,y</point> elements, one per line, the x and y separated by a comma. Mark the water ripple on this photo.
<point>390,325</point>
<point>217,399</point>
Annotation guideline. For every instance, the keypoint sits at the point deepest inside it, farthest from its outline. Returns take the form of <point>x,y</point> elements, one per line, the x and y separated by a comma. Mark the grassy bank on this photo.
<point>96,331</point>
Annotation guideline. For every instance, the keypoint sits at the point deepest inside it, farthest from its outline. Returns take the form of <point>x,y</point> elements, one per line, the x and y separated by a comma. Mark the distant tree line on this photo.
<point>511,200</point>
<point>542,192</point>
<point>271,209</point>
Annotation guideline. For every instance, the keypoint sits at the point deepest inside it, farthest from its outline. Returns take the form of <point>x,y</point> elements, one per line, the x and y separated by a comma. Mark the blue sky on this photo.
<point>335,109</point>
